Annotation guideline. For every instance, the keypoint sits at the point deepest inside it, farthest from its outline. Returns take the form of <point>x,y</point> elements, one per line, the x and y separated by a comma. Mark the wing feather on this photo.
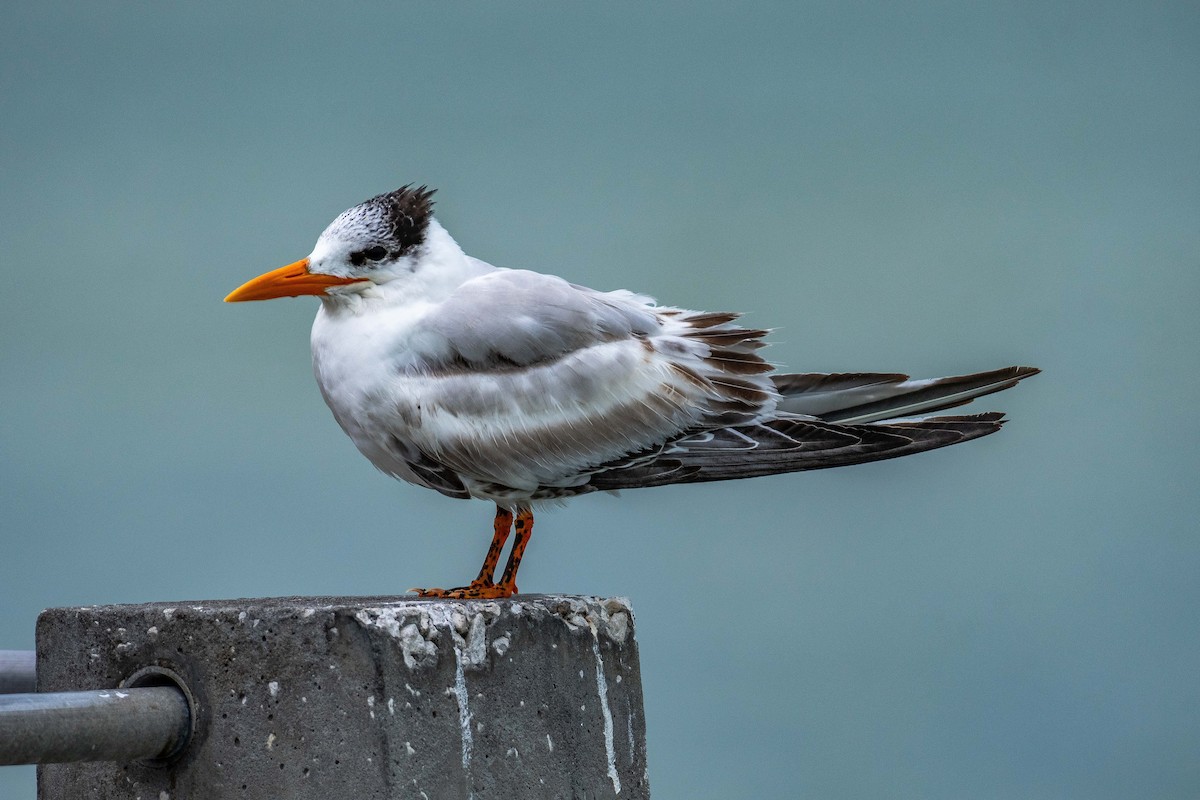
<point>858,398</point>
<point>785,444</point>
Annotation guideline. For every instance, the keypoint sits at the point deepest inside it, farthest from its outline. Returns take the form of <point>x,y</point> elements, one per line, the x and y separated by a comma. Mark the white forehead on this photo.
<point>329,248</point>
<point>352,230</point>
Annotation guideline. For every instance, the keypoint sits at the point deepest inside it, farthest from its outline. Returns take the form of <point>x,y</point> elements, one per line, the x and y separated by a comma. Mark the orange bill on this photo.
<point>290,281</point>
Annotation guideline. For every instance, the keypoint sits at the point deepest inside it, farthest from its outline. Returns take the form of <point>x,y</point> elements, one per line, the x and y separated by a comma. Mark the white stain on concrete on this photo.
<point>464,710</point>
<point>271,741</point>
<point>371,705</point>
<point>417,650</point>
<point>273,688</point>
<point>629,732</point>
<point>477,642</point>
<point>419,628</point>
<point>602,690</point>
<point>387,620</point>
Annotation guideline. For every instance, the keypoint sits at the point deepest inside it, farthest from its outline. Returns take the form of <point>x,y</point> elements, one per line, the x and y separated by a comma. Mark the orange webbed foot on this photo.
<point>476,590</point>
<point>484,587</point>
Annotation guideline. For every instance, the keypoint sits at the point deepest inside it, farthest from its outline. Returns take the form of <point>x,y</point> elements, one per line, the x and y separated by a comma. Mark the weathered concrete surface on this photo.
<point>537,696</point>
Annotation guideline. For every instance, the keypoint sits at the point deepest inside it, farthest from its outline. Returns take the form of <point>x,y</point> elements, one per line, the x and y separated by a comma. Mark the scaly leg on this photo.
<point>524,528</point>
<point>484,587</point>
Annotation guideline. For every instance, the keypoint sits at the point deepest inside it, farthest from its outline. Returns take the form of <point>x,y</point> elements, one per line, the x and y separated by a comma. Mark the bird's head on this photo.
<point>371,243</point>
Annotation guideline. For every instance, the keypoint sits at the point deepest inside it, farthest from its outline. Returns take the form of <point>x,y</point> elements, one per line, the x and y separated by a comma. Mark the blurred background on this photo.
<point>917,187</point>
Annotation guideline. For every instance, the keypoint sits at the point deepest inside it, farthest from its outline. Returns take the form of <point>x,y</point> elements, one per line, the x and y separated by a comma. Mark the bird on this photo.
<point>520,388</point>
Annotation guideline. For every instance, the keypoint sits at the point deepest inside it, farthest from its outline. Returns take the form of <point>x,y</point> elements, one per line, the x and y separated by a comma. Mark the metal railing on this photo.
<point>18,671</point>
<point>128,724</point>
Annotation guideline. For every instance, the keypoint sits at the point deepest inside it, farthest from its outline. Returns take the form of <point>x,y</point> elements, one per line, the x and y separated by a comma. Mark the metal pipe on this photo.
<point>103,725</point>
<point>17,671</point>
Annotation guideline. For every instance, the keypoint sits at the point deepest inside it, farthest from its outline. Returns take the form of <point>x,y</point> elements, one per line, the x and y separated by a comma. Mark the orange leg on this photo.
<point>501,527</point>
<point>524,528</point>
<point>484,587</point>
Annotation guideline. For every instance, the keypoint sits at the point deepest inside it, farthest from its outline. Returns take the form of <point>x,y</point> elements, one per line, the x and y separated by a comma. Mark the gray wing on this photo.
<point>526,384</point>
<point>517,318</point>
<point>861,397</point>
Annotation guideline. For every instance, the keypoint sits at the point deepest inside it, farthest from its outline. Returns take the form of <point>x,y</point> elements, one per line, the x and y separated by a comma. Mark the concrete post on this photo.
<point>537,696</point>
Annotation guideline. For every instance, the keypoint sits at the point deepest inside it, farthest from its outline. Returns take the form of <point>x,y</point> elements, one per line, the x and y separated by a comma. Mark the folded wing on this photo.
<point>531,386</point>
<point>526,382</point>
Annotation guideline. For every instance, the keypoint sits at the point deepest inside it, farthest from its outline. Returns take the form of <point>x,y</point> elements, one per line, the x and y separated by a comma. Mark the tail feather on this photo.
<point>860,398</point>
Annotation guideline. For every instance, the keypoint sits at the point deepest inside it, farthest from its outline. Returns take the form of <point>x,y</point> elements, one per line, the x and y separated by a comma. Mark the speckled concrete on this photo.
<point>381,697</point>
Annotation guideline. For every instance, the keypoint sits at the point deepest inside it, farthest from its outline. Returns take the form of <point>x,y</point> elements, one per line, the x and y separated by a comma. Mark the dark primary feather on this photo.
<point>863,397</point>
<point>787,444</point>
<point>849,418</point>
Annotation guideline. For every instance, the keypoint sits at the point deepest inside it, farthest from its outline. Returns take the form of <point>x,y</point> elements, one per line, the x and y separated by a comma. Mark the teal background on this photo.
<point>926,187</point>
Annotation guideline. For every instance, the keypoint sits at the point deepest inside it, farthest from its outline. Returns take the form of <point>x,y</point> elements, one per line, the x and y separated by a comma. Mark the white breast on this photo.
<point>356,361</point>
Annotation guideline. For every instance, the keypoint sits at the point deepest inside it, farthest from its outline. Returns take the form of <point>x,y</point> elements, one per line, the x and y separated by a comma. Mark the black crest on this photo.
<point>404,215</point>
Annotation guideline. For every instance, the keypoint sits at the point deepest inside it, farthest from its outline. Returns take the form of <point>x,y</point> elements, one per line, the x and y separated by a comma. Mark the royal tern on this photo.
<point>518,387</point>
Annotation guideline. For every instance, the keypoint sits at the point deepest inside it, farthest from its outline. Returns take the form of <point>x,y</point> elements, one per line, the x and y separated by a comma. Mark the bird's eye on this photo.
<point>376,253</point>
